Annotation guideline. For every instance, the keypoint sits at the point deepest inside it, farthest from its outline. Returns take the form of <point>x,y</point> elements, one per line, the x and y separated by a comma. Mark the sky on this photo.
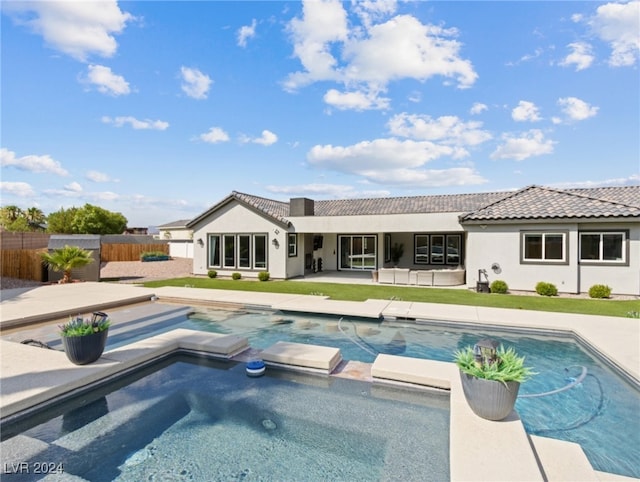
<point>160,109</point>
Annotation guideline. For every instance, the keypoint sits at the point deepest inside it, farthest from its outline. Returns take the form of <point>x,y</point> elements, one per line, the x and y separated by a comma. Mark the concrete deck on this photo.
<point>31,375</point>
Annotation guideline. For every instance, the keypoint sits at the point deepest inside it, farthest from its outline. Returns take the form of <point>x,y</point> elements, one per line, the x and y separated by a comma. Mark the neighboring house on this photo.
<point>179,237</point>
<point>573,238</point>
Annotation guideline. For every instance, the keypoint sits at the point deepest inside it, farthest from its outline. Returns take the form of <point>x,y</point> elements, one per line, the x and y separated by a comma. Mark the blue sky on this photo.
<point>158,110</point>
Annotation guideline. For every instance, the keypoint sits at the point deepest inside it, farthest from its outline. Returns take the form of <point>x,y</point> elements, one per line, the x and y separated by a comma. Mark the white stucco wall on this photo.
<point>501,245</point>
<point>235,218</point>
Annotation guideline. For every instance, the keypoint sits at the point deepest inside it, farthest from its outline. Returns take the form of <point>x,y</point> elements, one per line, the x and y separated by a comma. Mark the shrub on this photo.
<point>599,291</point>
<point>546,289</point>
<point>212,273</point>
<point>263,276</point>
<point>499,286</point>
<point>236,275</point>
<point>154,256</point>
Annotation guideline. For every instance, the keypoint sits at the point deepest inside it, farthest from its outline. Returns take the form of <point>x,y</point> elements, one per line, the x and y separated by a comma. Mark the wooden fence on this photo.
<point>129,252</point>
<point>23,264</point>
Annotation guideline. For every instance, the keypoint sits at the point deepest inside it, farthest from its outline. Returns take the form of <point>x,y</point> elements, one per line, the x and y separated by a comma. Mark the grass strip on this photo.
<point>357,292</point>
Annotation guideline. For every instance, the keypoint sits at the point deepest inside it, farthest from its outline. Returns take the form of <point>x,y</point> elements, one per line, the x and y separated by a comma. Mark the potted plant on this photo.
<point>84,339</point>
<point>491,376</point>
<point>65,259</point>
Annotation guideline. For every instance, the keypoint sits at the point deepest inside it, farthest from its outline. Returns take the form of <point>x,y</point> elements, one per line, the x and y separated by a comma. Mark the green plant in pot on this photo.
<point>491,376</point>
<point>84,339</point>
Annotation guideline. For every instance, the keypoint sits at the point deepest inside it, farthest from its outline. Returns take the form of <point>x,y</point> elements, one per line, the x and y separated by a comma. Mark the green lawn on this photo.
<point>356,292</point>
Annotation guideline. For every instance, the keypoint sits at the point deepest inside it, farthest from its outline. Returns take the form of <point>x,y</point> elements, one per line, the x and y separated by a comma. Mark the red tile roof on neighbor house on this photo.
<point>529,203</point>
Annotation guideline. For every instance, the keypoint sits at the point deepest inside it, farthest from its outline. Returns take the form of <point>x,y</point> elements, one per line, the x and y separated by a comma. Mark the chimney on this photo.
<point>301,206</point>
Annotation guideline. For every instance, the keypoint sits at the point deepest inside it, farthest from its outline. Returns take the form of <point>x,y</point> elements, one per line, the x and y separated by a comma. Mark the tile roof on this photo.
<point>532,202</point>
<point>537,202</point>
<point>181,223</point>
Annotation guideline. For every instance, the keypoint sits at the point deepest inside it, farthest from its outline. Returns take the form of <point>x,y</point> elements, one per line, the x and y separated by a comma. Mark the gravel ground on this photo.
<point>125,271</point>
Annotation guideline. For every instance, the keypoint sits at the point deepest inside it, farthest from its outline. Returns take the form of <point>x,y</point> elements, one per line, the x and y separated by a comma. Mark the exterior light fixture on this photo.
<point>200,242</point>
<point>275,242</point>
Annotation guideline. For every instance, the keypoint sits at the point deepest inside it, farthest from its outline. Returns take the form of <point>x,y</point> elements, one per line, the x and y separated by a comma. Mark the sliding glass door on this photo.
<point>357,252</point>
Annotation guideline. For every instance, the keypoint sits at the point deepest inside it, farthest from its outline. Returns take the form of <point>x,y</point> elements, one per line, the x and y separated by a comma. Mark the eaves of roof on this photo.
<point>276,210</point>
<point>544,203</point>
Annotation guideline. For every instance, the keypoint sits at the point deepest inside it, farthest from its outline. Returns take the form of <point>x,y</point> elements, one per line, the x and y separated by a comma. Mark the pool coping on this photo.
<point>471,457</point>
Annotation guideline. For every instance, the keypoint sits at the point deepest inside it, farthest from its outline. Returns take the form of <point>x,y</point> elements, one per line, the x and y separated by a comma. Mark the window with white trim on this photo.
<point>292,244</point>
<point>603,247</point>
<point>544,247</point>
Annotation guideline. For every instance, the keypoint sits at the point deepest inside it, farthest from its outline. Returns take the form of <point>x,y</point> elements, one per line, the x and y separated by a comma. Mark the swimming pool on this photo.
<point>601,413</point>
<point>190,418</point>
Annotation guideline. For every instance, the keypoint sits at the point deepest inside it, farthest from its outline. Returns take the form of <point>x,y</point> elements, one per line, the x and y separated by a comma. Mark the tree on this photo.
<point>35,216</point>
<point>95,220</point>
<point>65,259</point>
<point>61,222</point>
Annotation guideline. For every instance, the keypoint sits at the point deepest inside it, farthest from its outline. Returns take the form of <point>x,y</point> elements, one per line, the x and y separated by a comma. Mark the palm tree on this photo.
<point>65,259</point>
<point>35,216</point>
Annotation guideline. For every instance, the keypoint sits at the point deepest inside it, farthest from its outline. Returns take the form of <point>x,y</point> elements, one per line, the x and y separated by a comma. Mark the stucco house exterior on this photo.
<point>179,237</point>
<point>573,238</point>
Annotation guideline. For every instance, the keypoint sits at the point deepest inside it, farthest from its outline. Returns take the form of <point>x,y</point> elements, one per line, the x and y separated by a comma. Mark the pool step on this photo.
<point>562,460</point>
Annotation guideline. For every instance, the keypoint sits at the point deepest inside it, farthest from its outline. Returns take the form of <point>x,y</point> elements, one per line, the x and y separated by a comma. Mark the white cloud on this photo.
<point>97,176</point>
<point>581,56</point>
<point>619,25</point>
<point>478,108</point>
<point>366,58</point>
<point>106,81</point>
<point>526,111</point>
<point>379,154</point>
<point>266,139</point>
<point>20,189</point>
<point>405,48</point>
<point>448,130</point>
<point>529,144</point>
<point>73,187</point>
<point>135,123</point>
<point>78,29</point>
<point>32,163</point>
<point>577,109</point>
<point>214,136</point>
<point>358,100</point>
<point>616,182</point>
<point>246,32</point>
<point>194,83</point>
<point>423,178</point>
<point>316,190</point>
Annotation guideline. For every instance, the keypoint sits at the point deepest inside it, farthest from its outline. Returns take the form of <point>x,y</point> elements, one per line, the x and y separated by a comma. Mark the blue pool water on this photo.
<point>601,413</point>
<point>194,419</point>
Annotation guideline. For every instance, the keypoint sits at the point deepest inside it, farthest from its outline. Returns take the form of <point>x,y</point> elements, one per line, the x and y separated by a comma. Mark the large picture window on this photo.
<point>246,251</point>
<point>437,249</point>
<point>603,247</point>
<point>544,247</point>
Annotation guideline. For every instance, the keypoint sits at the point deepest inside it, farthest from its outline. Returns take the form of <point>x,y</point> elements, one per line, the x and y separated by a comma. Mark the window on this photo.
<point>600,247</point>
<point>292,244</point>
<point>229,251</point>
<point>422,249</point>
<point>437,249</point>
<point>244,248</point>
<point>214,250</point>
<point>544,247</point>
<point>430,249</point>
<point>260,251</point>
<point>387,248</point>
<point>247,251</point>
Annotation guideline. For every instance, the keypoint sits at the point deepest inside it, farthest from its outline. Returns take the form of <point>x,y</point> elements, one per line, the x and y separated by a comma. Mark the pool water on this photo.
<point>601,413</point>
<point>190,418</point>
